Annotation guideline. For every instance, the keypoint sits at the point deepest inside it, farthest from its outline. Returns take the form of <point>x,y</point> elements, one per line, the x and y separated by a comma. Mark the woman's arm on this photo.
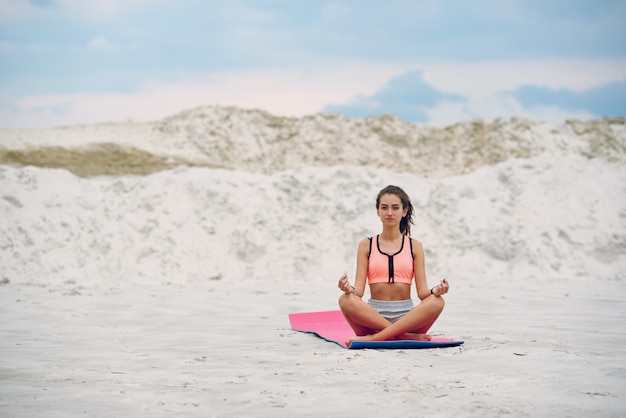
<point>423,291</point>
<point>361,271</point>
<point>420,270</point>
<point>360,276</point>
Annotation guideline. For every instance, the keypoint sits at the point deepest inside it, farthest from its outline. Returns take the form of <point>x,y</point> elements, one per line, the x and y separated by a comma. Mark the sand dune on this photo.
<point>254,141</point>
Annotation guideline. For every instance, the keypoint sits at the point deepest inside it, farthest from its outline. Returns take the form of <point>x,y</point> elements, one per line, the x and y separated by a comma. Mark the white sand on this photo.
<point>168,294</point>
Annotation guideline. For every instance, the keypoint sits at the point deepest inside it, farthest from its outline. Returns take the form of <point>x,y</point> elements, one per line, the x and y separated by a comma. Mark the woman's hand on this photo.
<point>441,289</point>
<point>345,285</point>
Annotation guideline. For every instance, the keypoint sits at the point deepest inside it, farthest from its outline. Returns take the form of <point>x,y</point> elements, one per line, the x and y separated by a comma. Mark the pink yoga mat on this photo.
<point>332,326</point>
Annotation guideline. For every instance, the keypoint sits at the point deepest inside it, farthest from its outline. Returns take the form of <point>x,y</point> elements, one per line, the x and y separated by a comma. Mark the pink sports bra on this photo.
<point>395,268</point>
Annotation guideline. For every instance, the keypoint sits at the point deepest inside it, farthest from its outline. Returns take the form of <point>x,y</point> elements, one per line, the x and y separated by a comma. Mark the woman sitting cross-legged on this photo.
<point>390,261</point>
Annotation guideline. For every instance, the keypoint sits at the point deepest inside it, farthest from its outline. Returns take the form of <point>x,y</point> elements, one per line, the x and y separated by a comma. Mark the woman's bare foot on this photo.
<point>360,338</point>
<point>413,337</point>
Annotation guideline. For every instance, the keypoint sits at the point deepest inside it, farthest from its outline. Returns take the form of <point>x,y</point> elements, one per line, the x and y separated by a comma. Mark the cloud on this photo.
<point>606,100</point>
<point>490,77</point>
<point>405,96</point>
<point>68,10</point>
<point>495,106</point>
<point>281,92</point>
<point>549,90</point>
<point>100,43</point>
<point>42,3</point>
<point>7,46</point>
<point>434,94</point>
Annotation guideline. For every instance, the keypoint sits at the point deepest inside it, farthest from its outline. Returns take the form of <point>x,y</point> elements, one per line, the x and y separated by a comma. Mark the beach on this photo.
<point>165,290</point>
<point>212,349</point>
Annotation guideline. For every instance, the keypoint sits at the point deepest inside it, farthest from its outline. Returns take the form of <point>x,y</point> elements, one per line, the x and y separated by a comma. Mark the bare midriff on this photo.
<point>390,291</point>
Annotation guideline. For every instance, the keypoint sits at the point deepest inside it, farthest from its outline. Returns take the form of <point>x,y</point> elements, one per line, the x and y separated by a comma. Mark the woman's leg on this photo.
<point>413,325</point>
<point>363,319</point>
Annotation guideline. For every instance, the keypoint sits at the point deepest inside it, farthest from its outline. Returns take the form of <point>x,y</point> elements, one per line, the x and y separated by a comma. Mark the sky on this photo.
<point>435,62</point>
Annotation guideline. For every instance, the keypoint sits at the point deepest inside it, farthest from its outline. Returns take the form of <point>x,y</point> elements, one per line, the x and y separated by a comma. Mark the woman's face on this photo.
<point>390,210</point>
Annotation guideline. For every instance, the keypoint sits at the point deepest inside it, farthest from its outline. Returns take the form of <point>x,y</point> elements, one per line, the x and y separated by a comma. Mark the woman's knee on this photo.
<point>347,301</point>
<point>437,303</point>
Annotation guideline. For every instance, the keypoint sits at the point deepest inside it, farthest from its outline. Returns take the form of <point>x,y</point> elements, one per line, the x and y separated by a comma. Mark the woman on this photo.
<point>390,261</point>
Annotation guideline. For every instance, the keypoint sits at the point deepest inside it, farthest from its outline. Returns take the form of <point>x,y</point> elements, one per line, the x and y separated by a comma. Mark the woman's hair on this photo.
<point>407,220</point>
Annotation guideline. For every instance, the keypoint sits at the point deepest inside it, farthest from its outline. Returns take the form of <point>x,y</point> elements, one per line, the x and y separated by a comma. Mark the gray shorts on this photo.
<point>392,310</point>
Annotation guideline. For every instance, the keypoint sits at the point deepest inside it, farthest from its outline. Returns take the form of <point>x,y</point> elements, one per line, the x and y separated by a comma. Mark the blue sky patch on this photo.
<point>607,100</point>
<point>405,96</point>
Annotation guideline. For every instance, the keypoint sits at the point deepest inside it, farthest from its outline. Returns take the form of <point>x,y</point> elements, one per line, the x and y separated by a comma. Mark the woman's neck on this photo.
<point>390,234</point>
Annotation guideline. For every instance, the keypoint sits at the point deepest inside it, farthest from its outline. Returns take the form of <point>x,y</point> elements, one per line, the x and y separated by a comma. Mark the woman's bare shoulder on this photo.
<point>417,245</point>
<point>365,242</point>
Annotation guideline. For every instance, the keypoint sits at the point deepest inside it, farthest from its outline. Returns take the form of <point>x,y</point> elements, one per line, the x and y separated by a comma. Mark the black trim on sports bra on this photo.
<point>391,268</point>
<point>390,258</point>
